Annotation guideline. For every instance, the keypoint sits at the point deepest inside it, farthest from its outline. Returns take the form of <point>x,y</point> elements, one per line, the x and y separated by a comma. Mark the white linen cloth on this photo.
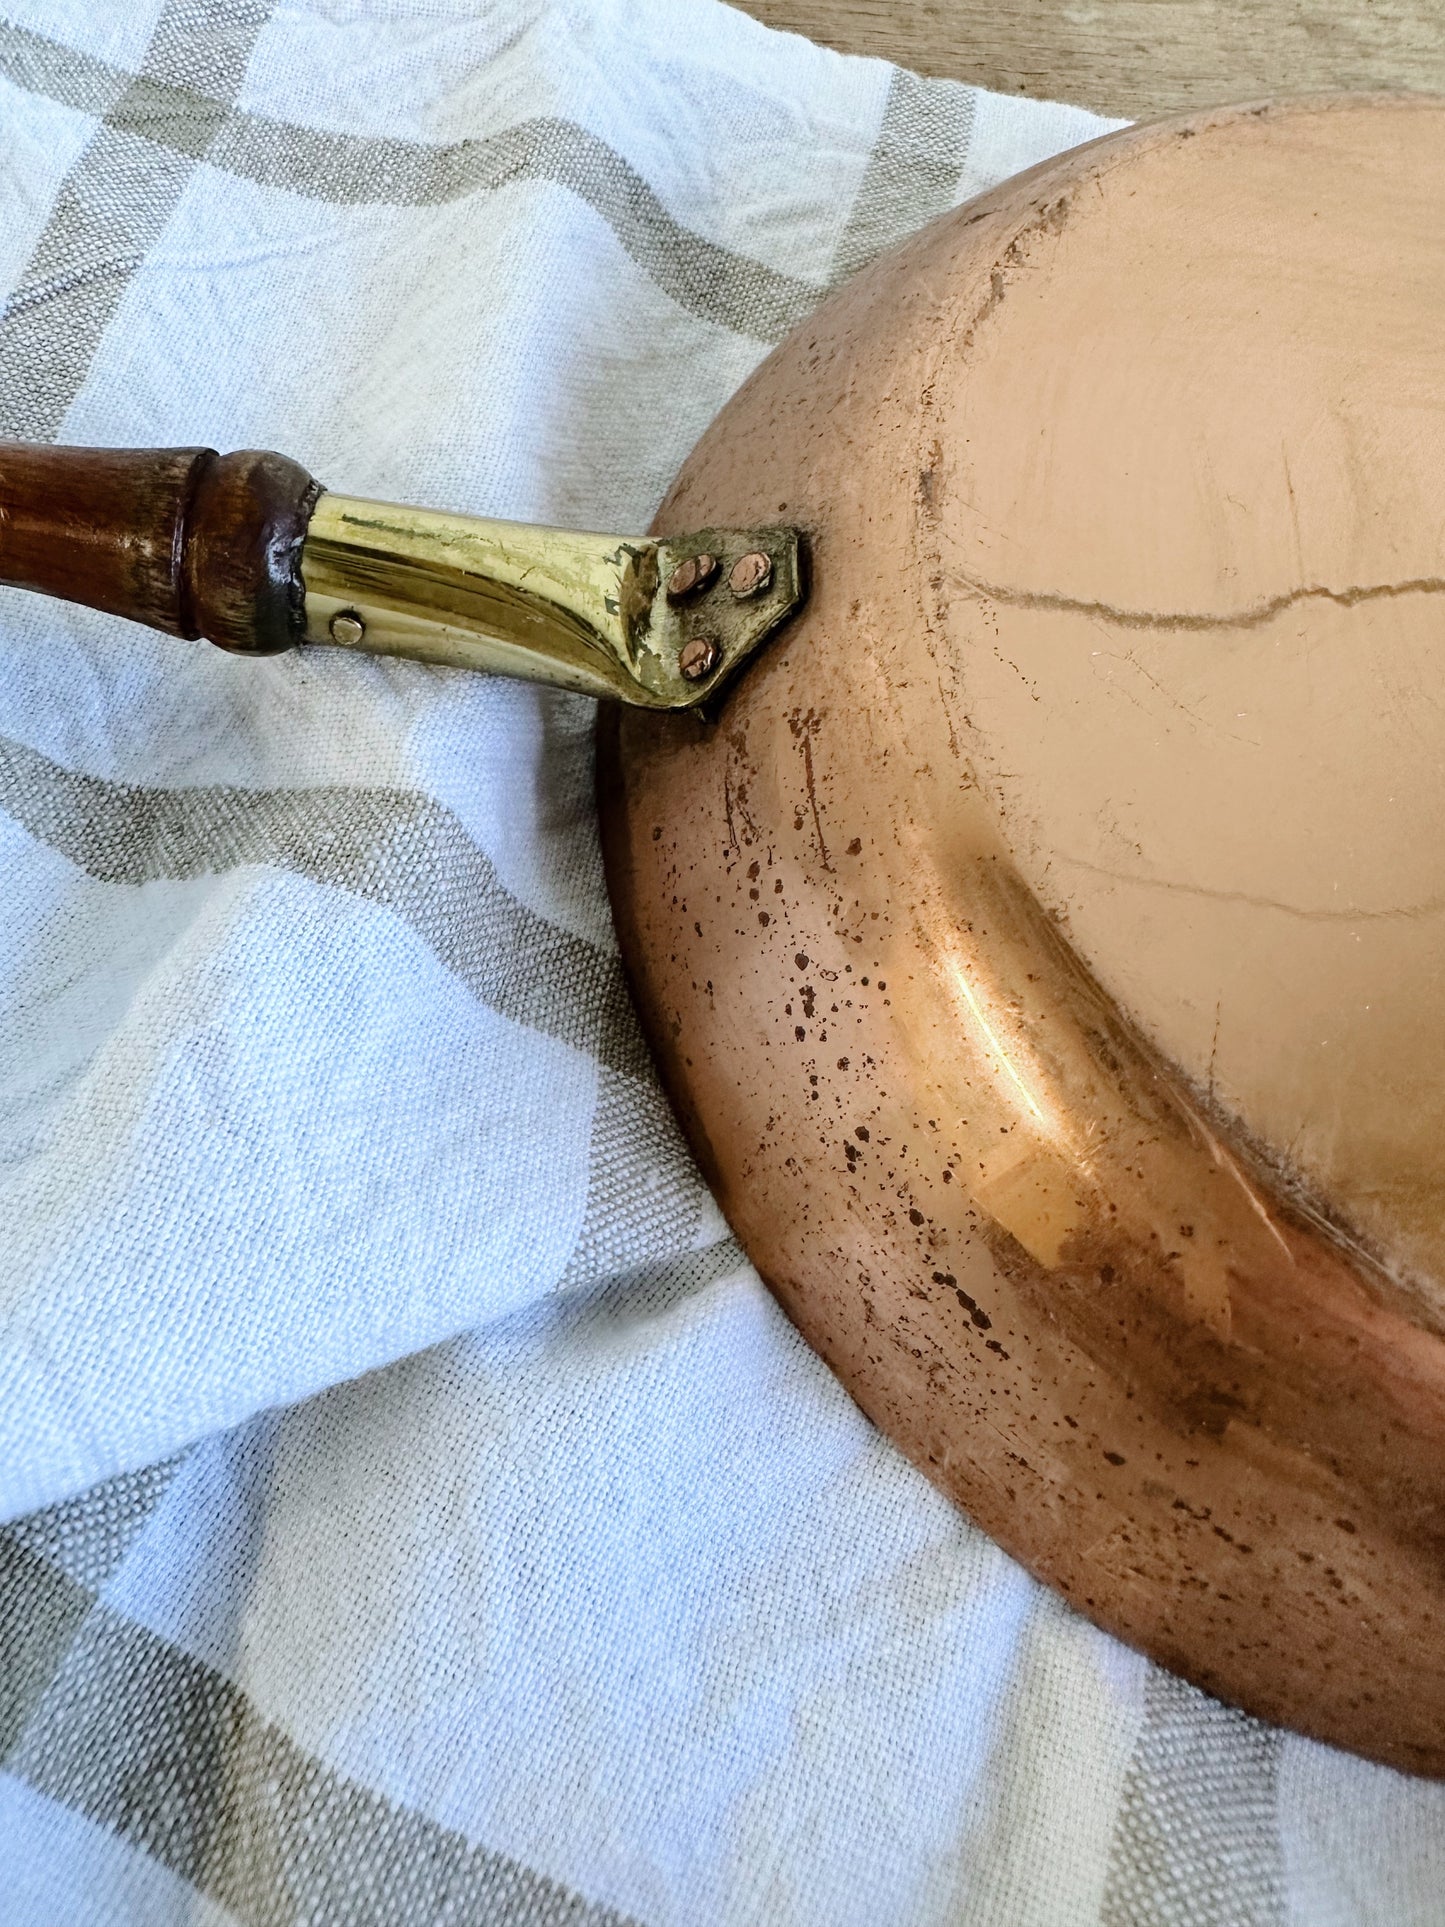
<point>418,1509</point>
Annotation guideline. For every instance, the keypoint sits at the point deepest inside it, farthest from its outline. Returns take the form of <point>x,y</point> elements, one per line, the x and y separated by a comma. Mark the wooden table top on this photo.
<point>1138,57</point>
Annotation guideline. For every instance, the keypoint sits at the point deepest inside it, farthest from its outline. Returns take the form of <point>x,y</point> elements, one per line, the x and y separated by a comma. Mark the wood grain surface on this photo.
<point>1138,57</point>
<point>182,539</point>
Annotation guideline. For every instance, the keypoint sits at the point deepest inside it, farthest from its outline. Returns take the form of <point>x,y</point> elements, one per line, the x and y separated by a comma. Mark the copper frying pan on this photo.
<point>1042,944</point>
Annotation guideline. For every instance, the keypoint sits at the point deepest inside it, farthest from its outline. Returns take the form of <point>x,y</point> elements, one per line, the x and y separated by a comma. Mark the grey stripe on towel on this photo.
<point>394,847</point>
<point>1197,1836</point>
<point>913,172</point>
<point>915,169</point>
<point>159,125</point>
<point>115,1723</point>
<point>117,198</point>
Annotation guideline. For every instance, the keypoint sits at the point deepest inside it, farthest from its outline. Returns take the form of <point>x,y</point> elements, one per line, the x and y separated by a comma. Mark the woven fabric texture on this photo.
<point>416,1510</point>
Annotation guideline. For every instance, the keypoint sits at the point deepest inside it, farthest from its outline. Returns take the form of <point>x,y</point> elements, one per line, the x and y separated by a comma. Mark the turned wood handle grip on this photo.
<point>182,539</point>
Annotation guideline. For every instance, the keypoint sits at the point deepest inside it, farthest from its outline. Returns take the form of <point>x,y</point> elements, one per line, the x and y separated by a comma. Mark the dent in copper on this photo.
<point>1043,949</point>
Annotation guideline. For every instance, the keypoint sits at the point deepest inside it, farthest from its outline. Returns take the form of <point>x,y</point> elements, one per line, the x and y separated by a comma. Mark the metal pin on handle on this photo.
<point>248,551</point>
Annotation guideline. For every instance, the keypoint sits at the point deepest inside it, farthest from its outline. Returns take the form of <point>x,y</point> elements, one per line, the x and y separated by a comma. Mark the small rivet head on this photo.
<point>751,573</point>
<point>699,657</point>
<point>347,628</point>
<point>691,575</point>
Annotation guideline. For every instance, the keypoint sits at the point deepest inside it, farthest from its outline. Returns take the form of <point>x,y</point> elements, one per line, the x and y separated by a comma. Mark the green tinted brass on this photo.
<point>583,612</point>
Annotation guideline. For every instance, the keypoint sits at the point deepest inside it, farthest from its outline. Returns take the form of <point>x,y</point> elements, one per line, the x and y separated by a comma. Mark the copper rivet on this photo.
<point>347,628</point>
<point>750,573</point>
<point>690,576</point>
<point>699,657</point>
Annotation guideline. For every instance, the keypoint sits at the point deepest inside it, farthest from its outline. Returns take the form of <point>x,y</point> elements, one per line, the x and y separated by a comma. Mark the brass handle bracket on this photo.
<point>660,623</point>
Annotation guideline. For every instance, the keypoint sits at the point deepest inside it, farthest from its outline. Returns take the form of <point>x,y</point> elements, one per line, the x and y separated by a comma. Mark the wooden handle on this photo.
<point>182,539</point>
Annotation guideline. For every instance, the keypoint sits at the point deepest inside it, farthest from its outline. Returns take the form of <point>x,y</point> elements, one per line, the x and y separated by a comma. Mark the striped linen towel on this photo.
<point>418,1511</point>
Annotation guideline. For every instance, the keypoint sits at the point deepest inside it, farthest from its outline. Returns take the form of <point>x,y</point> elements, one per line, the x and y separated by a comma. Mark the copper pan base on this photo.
<point>1044,948</point>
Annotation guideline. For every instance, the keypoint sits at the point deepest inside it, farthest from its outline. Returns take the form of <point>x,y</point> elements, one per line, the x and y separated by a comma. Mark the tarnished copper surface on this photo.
<point>1045,948</point>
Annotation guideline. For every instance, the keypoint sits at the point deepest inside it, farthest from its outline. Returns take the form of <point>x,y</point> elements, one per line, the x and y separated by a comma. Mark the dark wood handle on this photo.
<point>183,539</point>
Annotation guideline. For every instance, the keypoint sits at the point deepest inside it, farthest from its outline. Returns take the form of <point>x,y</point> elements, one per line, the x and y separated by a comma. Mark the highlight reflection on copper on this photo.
<point>1055,1242</point>
<point>1006,1056</point>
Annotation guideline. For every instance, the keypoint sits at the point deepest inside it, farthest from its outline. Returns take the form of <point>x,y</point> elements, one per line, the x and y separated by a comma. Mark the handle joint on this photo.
<point>660,623</point>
